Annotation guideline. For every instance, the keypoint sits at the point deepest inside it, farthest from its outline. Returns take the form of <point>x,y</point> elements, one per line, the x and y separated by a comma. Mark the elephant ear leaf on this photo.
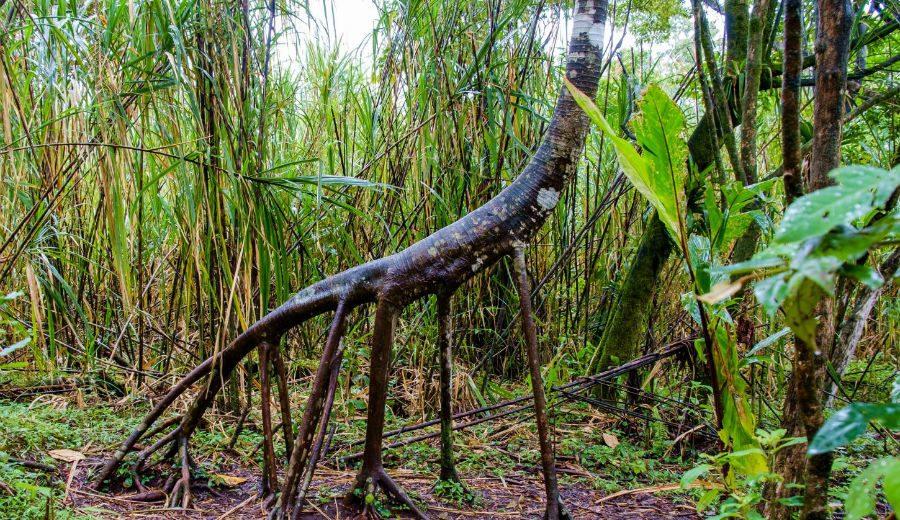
<point>658,174</point>
<point>659,128</point>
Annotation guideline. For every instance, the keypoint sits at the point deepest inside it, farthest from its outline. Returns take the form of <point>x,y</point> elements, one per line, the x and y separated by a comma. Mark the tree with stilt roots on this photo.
<point>439,265</point>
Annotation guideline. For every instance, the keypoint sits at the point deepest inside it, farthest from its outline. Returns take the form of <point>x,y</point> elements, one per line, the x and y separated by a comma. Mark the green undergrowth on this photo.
<point>598,452</point>
<point>28,431</point>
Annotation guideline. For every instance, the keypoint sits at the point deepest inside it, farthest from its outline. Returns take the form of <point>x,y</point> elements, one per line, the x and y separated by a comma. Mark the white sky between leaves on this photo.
<point>348,25</point>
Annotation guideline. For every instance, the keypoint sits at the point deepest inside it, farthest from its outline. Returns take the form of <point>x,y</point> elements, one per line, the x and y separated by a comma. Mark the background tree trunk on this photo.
<point>803,401</point>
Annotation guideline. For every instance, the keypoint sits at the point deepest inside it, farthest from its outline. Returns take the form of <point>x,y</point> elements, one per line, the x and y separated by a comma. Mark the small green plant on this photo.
<point>455,492</point>
<point>374,502</point>
<point>737,495</point>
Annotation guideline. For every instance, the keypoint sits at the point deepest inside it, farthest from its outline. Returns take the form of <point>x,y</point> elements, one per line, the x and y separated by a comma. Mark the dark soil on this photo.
<point>517,495</point>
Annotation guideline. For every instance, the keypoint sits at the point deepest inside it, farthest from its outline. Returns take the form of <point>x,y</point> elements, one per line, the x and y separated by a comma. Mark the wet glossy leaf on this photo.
<point>693,474</point>
<point>861,493</point>
<point>771,293</point>
<point>850,422</point>
<point>859,190</point>
<point>659,176</point>
<point>864,275</point>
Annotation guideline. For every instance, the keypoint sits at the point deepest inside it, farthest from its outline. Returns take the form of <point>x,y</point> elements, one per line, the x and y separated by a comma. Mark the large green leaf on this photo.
<point>659,128</point>
<point>861,492</point>
<point>850,422</point>
<point>738,420</point>
<point>859,189</point>
<point>659,175</point>
<point>693,474</point>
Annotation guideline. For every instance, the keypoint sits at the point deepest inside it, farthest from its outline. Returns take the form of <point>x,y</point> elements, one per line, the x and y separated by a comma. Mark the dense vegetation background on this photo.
<point>172,170</point>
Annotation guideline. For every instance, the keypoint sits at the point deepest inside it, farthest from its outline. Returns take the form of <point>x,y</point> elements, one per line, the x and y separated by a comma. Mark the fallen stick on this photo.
<point>655,489</point>
<point>426,436</point>
<point>32,464</point>
<point>236,508</point>
<point>69,480</point>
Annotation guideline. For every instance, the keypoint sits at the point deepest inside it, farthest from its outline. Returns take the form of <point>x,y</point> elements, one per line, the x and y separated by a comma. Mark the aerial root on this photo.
<point>148,452</point>
<point>142,458</point>
<point>366,490</point>
<point>323,423</point>
<point>127,446</point>
<point>180,495</point>
<point>284,401</point>
<point>312,414</point>
<point>445,348</point>
<point>289,315</point>
<point>562,512</point>
<point>269,473</point>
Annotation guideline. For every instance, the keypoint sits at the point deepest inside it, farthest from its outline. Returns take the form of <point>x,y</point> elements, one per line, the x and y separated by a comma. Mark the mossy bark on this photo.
<point>626,327</point>
<point>737,27</point>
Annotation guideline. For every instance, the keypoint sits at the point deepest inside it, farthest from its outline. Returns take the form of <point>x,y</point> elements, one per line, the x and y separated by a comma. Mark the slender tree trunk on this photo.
<point>313,409</point>
<point>746,244</point>
<point>832,53</point>
<point>803,402</point>
<point>790,99</point>
<point>554,509</point>
<point>445,348</point>
<point>284,399</point>
<point>752,74</point>
<point>737,27</point>
<point>790,461</point>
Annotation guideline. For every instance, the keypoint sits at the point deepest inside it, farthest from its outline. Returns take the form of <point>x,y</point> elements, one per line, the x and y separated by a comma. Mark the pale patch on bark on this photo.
<point>584,24</point>
<point>547,198</point>
<point>477,265</point>
<point>303,295</point>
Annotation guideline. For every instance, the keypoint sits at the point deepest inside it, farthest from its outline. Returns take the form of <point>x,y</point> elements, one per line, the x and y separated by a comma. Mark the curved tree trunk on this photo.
<point>438,263</point>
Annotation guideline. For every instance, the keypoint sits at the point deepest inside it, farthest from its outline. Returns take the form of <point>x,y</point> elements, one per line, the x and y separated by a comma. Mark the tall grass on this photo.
<point>168,176</point>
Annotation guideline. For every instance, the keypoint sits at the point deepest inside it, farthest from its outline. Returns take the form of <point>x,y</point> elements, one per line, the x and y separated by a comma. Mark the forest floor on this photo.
<point>517,495</point>
<point>608,468</point>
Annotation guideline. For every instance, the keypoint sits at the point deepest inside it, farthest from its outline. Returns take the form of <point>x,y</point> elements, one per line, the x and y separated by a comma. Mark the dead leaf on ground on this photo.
<point>66,455</point>
<point>611,440</point>
<point>229,480</point>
